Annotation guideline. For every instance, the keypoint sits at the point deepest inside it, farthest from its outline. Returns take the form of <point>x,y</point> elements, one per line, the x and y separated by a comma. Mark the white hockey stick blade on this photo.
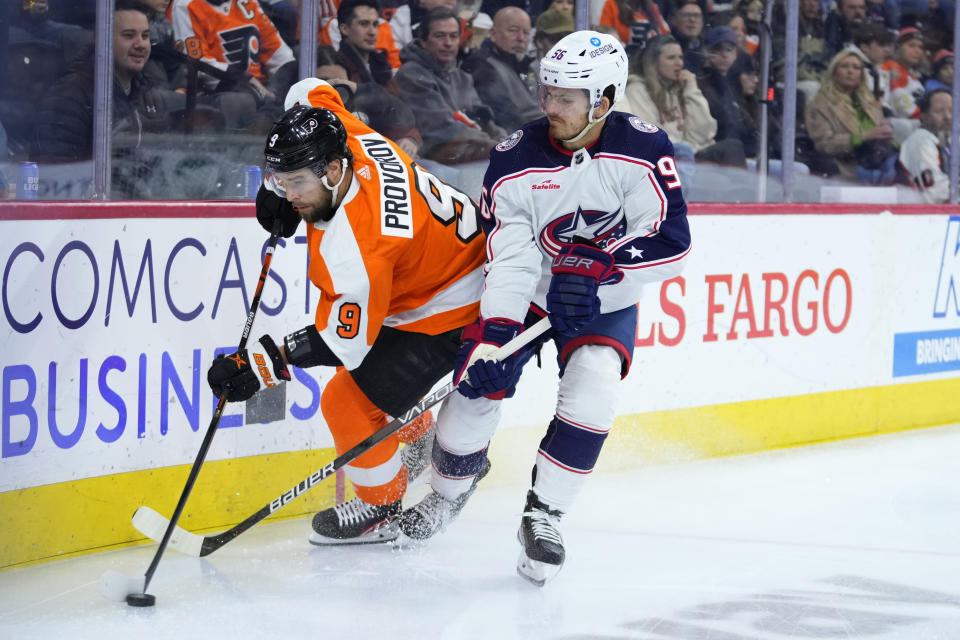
<point>117,586</point>
<point>153,525</point>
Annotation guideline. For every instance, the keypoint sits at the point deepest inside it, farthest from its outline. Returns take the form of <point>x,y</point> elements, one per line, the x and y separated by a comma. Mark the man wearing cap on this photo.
<point>551,27</point>
<point>905,85</point>
<point>720,54</point>
<point>502,70</point>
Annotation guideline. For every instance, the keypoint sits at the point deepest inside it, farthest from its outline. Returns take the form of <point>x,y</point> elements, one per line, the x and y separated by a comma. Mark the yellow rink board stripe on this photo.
<point>64,519</point>
<point>67,518</point>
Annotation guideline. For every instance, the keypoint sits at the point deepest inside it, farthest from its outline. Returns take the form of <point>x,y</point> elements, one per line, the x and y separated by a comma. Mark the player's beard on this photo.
<point>317,211</point>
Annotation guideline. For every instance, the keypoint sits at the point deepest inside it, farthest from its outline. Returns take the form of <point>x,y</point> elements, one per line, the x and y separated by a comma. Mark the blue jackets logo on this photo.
<point>935,351</point>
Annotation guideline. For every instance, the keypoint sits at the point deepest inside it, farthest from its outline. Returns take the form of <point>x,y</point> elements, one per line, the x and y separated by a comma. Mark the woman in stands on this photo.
<point>662,92</point>
<point>846,121</point>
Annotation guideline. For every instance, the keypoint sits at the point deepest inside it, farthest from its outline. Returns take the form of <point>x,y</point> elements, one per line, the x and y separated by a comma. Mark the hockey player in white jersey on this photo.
<point>925,154</point>
<point>581,208</point>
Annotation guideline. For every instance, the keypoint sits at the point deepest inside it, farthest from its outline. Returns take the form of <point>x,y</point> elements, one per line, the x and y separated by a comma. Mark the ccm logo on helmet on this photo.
<point>264,370</point>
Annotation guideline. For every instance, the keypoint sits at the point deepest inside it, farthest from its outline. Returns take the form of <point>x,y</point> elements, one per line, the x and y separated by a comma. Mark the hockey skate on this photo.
<point>355,522</point>
<point>541,552</point>
<point>435,512</point>
<point>416,455</point>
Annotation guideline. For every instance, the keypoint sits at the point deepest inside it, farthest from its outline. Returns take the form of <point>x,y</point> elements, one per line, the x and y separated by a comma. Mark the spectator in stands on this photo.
<point>664,93</point>
<point>551,26</point>
<point>503,73</point>
<point>736,22</point>
<point>874,44</point>
<point>812,56</point>
<point>566,6</point>
<point>913,12</point>
<point>686,24</point>
<point>841,23</point>
<point>941,73</point>
<point>904,68</point>
<point>480,25</point>
<point>406,19</point>
<point>285,16</point>
<point>236,37</point>
<point>748,40</point>
<point>359,23</point>
<point>924,156</point>
<point>30,22</point>
<point>165,67</point>
<point>382,110</point>
<point>385,43</point>
<point>64,131</point>
<point>635,21</point>
<point>721,53</point>
<point>884,13</point>
<point>455,124</point>
<point>846,121</point>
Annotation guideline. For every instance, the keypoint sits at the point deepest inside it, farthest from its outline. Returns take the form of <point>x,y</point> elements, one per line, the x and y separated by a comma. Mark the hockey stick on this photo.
<point>150,523</point>
<point>143,599</point>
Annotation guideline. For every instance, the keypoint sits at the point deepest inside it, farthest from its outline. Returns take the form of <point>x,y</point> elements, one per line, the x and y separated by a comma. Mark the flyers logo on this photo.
<point>240,46</point>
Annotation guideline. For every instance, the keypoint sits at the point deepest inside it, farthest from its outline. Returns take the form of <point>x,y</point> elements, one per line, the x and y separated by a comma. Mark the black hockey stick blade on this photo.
<point>146,599</point>
<point>151,524</point>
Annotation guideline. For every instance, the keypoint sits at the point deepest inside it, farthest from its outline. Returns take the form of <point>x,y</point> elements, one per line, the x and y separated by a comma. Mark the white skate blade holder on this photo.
<point>378,535</point>
<point>534,571</point>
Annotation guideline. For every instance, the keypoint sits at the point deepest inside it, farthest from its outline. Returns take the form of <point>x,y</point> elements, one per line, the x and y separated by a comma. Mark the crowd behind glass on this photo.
<point>198,83</point>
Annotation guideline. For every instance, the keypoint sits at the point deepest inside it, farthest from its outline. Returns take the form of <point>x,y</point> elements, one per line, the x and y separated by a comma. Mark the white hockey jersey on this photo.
<point>622,192</point>
<point>924,159</point>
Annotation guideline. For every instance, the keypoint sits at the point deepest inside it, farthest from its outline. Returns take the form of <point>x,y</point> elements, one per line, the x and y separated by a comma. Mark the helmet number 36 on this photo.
<point>448,204</point>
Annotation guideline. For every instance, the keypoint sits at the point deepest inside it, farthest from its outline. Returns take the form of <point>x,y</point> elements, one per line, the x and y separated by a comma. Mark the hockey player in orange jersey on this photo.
<point>398,258</point>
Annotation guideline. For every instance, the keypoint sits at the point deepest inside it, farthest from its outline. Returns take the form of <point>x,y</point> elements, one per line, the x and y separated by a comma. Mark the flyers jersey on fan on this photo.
<point>403,249</point>
<point>234,34</point>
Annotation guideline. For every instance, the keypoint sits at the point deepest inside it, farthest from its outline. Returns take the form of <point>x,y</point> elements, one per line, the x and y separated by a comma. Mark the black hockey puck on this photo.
<point>141,600</point>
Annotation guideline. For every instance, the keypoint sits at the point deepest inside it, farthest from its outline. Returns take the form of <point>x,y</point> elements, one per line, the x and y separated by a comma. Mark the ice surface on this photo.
<point>858,539</point>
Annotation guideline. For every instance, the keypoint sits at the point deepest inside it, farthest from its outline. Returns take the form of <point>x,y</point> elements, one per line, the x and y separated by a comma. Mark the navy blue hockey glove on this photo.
<point>572,299</point>
<point>489,378</point>
<point>239,378</point>
<point>270,206</point>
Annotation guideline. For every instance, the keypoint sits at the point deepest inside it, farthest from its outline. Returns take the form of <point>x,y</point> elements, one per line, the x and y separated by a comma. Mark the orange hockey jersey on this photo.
<point>233,34</point>
<point>404,249</point>
<point>643,27</point>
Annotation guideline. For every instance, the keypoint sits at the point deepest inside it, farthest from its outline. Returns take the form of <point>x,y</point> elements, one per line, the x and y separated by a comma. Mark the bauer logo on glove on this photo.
<point>233,377</point>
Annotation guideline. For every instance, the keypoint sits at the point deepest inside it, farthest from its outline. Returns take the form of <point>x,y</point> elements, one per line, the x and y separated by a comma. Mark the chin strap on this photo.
<point>333,189</point>
<point>591,121</point>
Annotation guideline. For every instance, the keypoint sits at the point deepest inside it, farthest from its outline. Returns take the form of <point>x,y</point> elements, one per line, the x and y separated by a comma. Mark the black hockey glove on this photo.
<point>572,300</point>
<point>239,378</point>
<point>270,206</point>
